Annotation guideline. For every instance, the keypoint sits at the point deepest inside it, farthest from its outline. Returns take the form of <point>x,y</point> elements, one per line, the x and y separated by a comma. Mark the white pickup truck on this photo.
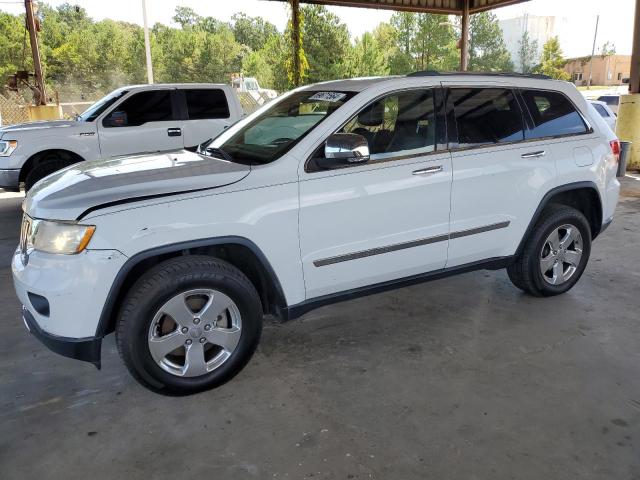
<point>130,120</point>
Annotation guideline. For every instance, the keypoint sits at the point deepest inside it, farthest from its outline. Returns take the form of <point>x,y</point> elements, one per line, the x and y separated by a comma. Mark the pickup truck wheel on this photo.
<point>555,254</point>
<point>43,169</point>
<point>189,324</point>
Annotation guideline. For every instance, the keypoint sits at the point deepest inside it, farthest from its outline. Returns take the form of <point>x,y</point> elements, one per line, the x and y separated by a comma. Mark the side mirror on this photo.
<point>117,119</point>
<point>346,148</point>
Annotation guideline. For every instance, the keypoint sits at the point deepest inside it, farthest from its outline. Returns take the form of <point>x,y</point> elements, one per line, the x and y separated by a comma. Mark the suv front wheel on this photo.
<point>555,253</point>
<point>189,324</point>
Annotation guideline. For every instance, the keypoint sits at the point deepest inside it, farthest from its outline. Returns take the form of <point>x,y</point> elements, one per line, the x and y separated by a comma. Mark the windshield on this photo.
<point>273,132</point>
<point>94,111</point>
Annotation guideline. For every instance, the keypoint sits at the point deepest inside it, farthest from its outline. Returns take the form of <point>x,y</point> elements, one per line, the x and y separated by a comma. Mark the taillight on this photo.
<point>615,149</point>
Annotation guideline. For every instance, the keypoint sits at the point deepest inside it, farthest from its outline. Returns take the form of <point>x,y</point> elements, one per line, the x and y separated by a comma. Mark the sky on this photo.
<point>578,17</point>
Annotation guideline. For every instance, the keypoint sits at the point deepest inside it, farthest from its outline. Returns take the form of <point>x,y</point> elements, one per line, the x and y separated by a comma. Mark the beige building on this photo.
<point>609,70</point>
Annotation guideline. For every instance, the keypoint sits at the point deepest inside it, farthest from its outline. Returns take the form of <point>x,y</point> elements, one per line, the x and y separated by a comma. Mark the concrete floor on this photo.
<point>462,378</point>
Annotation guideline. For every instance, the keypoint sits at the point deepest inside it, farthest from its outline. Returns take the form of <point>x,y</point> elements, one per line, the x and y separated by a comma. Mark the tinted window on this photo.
<point>203,104</point>
<point>400,122</point>
<point>273,132</point>
<point>610,99</point>
<point>600,109</point>
<point>552,113</point>
<point>486,116</point>
<point>95,110</point>
<point>140,108</point>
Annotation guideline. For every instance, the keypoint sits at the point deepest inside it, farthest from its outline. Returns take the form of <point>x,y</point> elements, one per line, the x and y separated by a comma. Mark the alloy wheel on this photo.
<point>195,332</point>
<point>561,254</point>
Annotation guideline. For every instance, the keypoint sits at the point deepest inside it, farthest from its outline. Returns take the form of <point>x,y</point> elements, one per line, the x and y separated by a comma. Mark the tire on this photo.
<point>170,286</point>
<point>562,264</point>
<point>43,169</point>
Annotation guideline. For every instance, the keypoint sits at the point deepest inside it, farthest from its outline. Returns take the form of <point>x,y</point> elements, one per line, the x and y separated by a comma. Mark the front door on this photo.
<point>143,122</point>
<point>386,219</point>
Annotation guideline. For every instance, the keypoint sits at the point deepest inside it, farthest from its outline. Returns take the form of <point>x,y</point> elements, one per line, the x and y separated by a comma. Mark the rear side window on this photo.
<point>206,103</point>
<point>486,116</point>
<point>601,110</point>
<point>140,108</point>
<point>552,114</point>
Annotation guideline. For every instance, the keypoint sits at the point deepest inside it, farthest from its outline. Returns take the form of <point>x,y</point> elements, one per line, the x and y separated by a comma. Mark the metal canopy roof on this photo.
<point>455,7</point>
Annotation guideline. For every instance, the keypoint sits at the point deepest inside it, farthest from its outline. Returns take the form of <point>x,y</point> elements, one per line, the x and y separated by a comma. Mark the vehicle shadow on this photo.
<point>10,217</point>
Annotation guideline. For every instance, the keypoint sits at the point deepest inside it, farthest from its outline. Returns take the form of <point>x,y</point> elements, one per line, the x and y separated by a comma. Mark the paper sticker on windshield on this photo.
<point>328,97</point>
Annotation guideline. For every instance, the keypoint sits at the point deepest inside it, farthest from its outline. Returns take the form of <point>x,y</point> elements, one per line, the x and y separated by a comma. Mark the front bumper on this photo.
<point>9,179</point>
<point>85,349</point>
<point>63,297</point>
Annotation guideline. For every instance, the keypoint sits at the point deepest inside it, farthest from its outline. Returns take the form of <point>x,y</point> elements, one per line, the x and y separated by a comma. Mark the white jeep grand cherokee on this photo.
<point>333,191</point>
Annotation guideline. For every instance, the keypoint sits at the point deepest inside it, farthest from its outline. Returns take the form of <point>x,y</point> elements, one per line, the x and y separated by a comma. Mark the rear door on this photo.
<point>497,176</point>
<point>144,121</point>
<point>207,112</point>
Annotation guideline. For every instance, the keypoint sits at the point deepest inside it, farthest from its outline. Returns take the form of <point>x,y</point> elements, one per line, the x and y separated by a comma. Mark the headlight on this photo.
<point>65,238</point>
<point>7,147</point>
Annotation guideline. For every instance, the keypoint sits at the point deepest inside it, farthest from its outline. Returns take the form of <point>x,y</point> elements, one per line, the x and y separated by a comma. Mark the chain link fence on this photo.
<point>12,109</point>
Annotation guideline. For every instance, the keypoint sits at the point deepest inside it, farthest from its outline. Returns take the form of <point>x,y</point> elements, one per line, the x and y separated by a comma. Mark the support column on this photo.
<point>464,38</point>
<point>634,83</point>
<point>629,108</point>
<point>296,41</point>
<point>147,43</point>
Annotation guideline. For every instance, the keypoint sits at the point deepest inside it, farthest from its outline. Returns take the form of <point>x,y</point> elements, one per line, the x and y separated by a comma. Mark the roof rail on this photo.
<point>434,73</point>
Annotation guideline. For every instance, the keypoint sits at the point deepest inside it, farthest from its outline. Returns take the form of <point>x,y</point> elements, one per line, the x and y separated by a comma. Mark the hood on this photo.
<point>24,127</point>
<point>88,186</point>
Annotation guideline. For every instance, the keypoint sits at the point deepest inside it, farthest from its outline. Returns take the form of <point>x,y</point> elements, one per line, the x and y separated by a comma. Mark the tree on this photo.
<point>434,45</point>
<point>608,49</point>
<point>252,31</point>
<point>367,58</point>
<point>325,41</point>
<point>552,61</point>
<point>426,40</point>
<point>396,61</point>
<point>527,52</point>
<point>13,53</point>
<point>487,50</point>
<point>186,17</point>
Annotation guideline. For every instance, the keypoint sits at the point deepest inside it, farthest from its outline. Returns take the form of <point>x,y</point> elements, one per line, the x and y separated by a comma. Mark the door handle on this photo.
<point>174,132</point>
<point>428,170</point>
<point>538,154</point>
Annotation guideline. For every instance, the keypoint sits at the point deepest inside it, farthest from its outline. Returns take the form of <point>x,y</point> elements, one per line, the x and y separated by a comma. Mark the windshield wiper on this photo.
<point>211,151</point>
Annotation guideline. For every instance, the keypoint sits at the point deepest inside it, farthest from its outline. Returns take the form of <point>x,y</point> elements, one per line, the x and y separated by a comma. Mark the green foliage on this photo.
<point>253,32</point>
<point>552,61</point>
<point>487,50</point>
<point>85,58</point>
<point>367,58</point>
<point>424,42</point>
<point>607,49</point>
<point>527,52</point>
<point>13,56</point>
<point>326,44</point>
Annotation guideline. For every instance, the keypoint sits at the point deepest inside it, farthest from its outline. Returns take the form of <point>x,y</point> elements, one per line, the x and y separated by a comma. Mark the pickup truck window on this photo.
<point>276,130</point>
<point>143,107</point>
<point>205,104</point>
<point>95,110</point>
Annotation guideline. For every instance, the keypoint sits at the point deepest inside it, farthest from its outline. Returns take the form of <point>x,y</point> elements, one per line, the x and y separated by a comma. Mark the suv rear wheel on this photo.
<point>189,324</point>
<point>555,254</point>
